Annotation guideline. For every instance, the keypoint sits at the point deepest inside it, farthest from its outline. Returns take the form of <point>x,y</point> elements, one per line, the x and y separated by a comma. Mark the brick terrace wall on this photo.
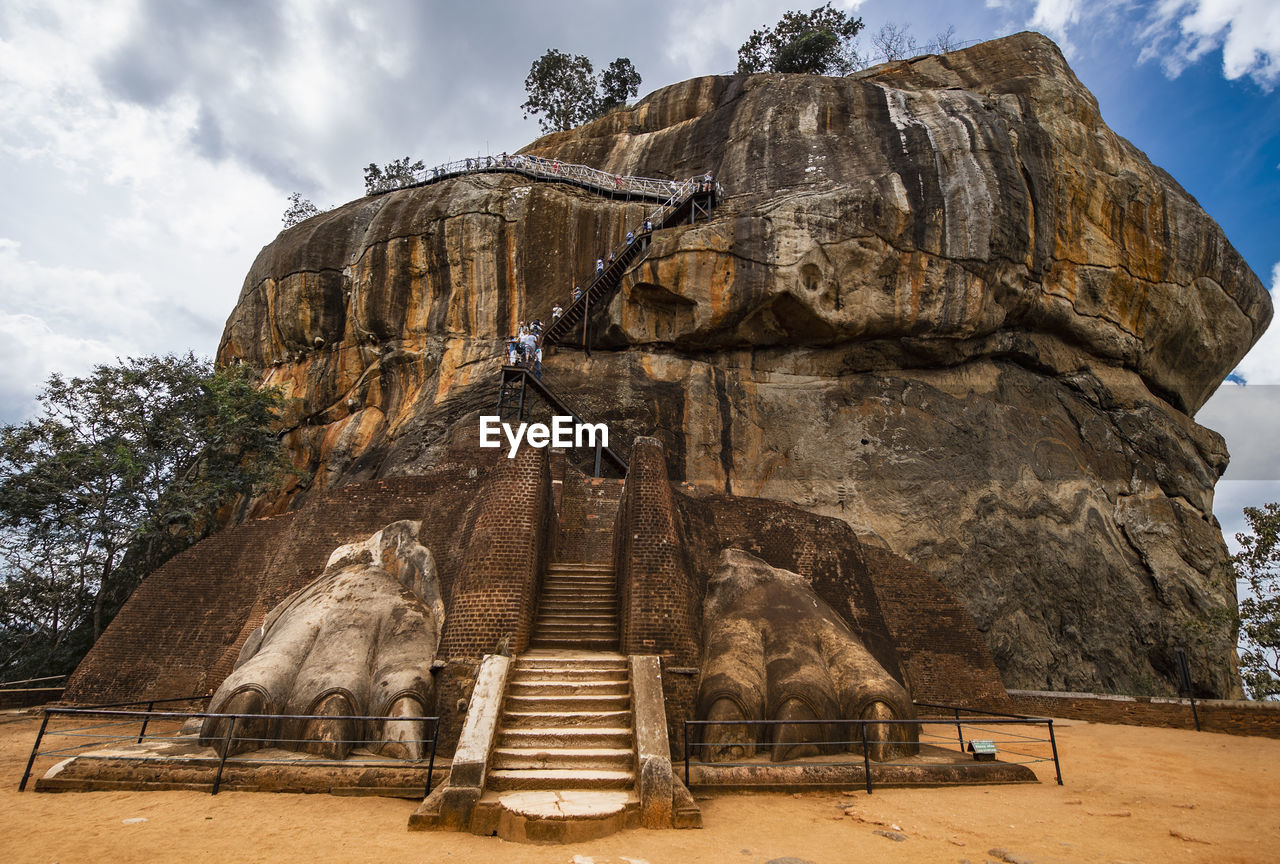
<point>588,509</point>
<point>26,698</point>
<point>658,603</point>
<point>944,657</point>
<point>1234,717</point>
<point>496,589</point>
<point>181,620</point>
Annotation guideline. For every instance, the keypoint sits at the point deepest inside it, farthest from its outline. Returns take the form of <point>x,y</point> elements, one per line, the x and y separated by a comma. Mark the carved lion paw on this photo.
<point>357,641</point>
<point>775,650</point>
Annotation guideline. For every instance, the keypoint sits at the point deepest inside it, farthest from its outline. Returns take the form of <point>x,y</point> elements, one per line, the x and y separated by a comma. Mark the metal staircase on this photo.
<point>516,390</point>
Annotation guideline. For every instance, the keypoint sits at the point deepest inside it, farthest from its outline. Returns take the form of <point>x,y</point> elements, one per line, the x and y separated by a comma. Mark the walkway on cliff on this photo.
<point>625,186</point>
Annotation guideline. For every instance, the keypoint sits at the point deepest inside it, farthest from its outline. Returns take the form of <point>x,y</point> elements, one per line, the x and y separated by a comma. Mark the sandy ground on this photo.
<point>1131,795</point>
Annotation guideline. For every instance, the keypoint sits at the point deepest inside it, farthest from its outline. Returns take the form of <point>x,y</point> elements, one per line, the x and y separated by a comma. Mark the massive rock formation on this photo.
<point>942,301</point>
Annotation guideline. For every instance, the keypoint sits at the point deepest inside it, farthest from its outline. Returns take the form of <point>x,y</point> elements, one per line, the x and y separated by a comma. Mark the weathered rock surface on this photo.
<point>943,302</point>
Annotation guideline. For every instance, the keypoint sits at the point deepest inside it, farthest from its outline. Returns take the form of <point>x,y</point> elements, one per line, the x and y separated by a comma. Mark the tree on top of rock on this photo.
<point>618,83</point>
<point>1258,563</point>
<point>565,90</point>
<point>818,43</point>
<point>393,175</point>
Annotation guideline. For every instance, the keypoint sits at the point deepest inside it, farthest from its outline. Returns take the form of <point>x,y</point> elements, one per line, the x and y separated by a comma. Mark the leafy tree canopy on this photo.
<point>818,42</point>
<point>300,209</point>
<point>618,83</point>
<point>401,172</point>
<point>122,469</point>
<point>564,89</point>
<point>1258,564</point>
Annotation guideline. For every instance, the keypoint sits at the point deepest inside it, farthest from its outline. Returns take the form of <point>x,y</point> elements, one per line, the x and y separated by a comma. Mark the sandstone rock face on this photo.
<point>942,301</point>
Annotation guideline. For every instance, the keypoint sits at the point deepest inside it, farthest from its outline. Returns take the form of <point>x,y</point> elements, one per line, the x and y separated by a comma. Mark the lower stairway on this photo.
<point>563,765</point>
<point>562,743</point>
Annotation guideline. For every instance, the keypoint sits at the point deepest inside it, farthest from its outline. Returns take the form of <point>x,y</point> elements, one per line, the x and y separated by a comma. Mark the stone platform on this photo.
<point>181,763</point>
<point>934,766</point>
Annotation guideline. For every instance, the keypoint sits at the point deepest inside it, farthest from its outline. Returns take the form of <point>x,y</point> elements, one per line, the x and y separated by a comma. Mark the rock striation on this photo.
<point>942,301</point>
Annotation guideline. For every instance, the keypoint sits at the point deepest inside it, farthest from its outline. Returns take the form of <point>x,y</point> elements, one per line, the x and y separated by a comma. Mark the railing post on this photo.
<point>142,733</point>
<point>226,750</point>
<point>1053,742</point>
<point>431,760</point>
<point>35,749</point>
<point>866,755</point>
<point>686,754</point>
<point>959,731</point>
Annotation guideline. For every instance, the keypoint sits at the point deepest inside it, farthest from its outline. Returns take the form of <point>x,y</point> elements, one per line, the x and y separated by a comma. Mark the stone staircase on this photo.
<point>565,749</point>
<point>566,724</point>
<point>578,608</point>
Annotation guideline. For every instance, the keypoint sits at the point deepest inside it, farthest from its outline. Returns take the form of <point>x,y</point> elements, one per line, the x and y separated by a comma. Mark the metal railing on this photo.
<point>614,185</point>
<point>993,727</point>
<point>105,725</point>
<point>4,684</point>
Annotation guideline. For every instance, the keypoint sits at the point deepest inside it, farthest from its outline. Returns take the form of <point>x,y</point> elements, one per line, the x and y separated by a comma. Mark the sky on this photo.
<point>148,147</point>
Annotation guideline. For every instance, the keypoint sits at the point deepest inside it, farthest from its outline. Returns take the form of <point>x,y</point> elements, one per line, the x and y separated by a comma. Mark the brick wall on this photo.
<point>181,631</point>
<point>659,605</point>
<point>1234,717</point>
<point>588,509</point>
<point>496,588</point>
<point>944,657</point>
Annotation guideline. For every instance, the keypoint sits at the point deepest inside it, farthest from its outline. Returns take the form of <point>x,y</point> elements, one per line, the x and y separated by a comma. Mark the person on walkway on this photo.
<point>599,267</point>
<point>535,327</point>
<point>556,311</point>
<point>630,237</point>
<point>537,362</point>
<point>577,292</point>
<point>529,344</point>
<point>648,226</point>
<point>513,352</point>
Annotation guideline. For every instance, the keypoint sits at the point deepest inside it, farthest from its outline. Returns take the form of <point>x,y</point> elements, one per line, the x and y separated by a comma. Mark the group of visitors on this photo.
<point>523,349</point>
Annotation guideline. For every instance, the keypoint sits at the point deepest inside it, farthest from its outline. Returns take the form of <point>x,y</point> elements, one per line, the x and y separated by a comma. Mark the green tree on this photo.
<point>564,89</point>
<point>1258,564</point>
<point>618,83</point>
<point>300,209</point>
<point>393,175</point>
<point>819,42</point>
<point>122,469</point>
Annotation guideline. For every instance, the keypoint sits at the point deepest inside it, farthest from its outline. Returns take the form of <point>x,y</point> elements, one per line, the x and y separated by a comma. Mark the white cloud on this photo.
<point>1054,17</point>
<point>1262,364</point>
<point>65,319</point>
<point>1180,32</point>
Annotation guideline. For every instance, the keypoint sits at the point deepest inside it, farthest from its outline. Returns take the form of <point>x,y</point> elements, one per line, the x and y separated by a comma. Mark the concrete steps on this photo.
<point>578,608</point>
<point>566,731</point>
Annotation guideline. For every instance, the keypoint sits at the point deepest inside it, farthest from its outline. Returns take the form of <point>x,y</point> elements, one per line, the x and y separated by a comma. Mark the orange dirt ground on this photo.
<point>1131,795</point>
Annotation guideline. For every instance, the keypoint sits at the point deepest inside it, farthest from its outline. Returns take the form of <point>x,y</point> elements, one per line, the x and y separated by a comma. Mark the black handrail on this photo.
<point>557,403</point>
<point>223,756</point>
<point>991,718</point>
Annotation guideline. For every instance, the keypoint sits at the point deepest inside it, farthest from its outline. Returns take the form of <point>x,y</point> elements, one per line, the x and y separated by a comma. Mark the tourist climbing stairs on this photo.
<point>692,199</point>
